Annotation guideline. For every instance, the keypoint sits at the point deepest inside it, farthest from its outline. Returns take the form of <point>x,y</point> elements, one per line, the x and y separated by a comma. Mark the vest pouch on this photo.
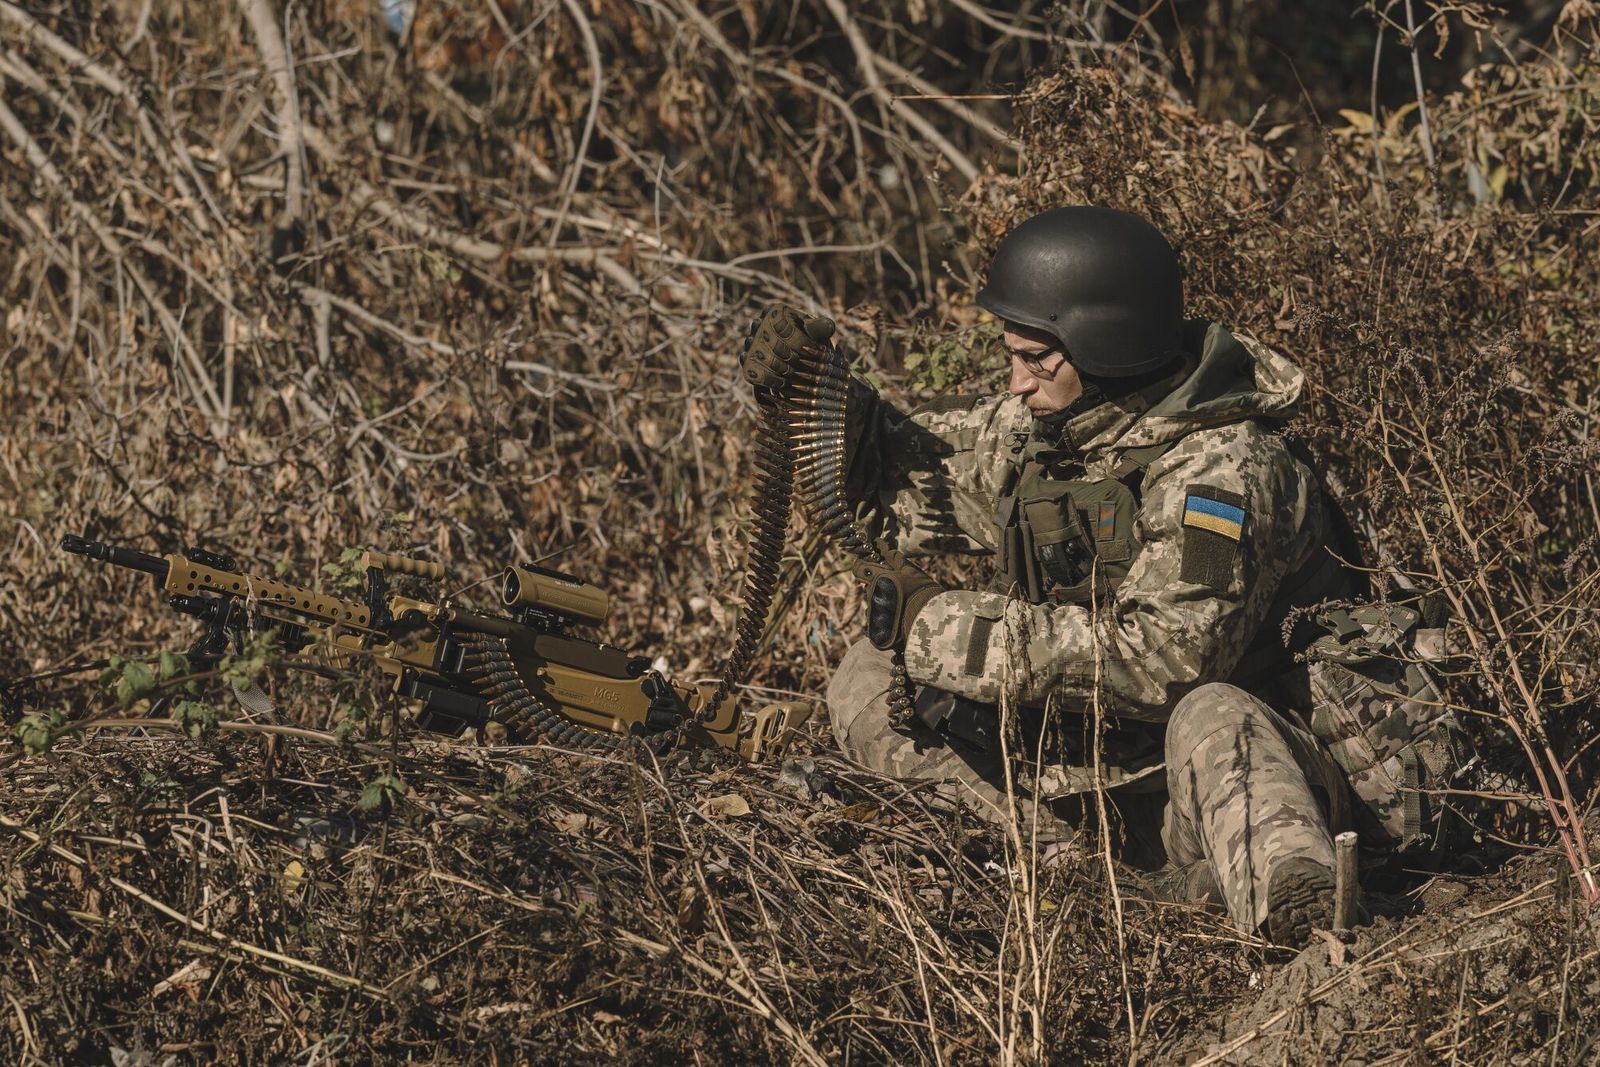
<point>1061,547</point>
<point>974,725</point>
<point>1381,714</point>
<point>1016,572</point>
<point>1065,541</point>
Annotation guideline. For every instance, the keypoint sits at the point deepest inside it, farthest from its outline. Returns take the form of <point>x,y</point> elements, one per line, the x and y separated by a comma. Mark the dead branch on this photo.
<point>200,381</point>
<point>263,23</point>
<point>575,171</point>
<point>867,62</point>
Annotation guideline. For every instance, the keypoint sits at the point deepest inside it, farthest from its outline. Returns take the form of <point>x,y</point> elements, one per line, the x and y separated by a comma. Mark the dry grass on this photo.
<point>481,302</point>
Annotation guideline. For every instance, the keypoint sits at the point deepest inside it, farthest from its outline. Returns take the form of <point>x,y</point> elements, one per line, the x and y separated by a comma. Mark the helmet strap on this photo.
<point>1053,427</point>
<point>1093,396</point>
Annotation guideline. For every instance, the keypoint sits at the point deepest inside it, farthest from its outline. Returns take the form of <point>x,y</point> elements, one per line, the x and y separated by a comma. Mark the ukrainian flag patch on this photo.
<point>1203,511</point>
<point>1213,528</point>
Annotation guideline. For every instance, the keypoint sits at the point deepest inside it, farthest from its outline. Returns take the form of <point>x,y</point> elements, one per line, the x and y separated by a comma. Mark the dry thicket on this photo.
<point>270,283</point>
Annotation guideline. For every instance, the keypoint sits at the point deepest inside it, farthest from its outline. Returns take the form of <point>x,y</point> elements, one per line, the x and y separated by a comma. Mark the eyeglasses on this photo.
<point>1034,361</point>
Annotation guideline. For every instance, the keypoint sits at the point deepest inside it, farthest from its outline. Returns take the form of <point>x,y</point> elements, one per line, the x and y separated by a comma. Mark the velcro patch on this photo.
<point>1213,521</point>
<point>1105,526</point>
<point>978,647</point>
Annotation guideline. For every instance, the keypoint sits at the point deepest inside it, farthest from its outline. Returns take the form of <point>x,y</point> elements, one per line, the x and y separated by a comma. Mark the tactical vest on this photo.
<point>1063,539</point>
<point>1072,540</point>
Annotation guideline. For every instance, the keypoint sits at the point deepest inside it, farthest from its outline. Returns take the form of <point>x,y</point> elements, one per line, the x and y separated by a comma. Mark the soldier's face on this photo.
<point>1039,370</point>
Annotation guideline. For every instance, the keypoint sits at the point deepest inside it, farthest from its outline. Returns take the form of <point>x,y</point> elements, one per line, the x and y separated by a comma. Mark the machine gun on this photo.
<point>524,669</point>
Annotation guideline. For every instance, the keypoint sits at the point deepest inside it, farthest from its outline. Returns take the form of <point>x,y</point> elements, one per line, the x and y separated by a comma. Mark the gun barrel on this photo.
<point>121,557</point>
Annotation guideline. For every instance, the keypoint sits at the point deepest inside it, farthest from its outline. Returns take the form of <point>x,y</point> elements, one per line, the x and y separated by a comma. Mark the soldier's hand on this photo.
<point>777,340</point>
<point>896,592</point>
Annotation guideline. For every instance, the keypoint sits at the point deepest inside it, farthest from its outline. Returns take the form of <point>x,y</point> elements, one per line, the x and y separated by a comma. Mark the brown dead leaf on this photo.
<point>727,806</point>
<point>865,811</point>
<point>574,823</point>
<point>1338,952</point>
<point>691,910</point>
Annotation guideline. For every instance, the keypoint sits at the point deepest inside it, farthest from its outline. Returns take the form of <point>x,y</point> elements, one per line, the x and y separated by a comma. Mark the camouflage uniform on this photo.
<point>1195,571</point>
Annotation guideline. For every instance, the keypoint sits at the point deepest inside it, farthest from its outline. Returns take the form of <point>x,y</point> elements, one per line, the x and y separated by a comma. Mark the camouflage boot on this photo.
<point>1299,900</point>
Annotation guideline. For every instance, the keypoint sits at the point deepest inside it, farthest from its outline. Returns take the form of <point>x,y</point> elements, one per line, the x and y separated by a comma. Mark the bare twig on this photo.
<point>596,87</point>
<point>173,913</point>
<point>275,58</point>
<point>867,61</point>
<point>1421,101</point>
<point>205,389</point>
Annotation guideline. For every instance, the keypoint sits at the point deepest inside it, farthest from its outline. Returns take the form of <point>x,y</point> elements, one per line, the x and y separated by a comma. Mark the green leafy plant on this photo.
<point>347,574</point>
<point>129,680</point>
<point>36,730</point>
<point>154,786</point>
<point>382,793</point>
<point>195,718</point>
<point>172,665</point>
<point>348,719</point>
<point>244,668</point>
<point>957,358</point>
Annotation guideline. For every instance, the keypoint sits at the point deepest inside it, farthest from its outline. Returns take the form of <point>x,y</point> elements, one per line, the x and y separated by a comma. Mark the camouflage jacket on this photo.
<point>1228,526</point>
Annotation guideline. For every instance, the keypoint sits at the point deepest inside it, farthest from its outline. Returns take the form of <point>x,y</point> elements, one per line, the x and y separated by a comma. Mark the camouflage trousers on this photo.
<point>1246,787</point>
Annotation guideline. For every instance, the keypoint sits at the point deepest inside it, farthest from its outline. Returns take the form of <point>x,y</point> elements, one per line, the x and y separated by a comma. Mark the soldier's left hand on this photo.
<point>896,591</point>
<point>777,339</point>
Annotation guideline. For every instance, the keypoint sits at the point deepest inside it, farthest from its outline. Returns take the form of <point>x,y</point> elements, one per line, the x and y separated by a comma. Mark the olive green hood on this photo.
<point>1227,378</point>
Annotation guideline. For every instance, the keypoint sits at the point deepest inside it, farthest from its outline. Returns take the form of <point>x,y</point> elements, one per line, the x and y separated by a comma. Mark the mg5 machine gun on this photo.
<point>524,669</point>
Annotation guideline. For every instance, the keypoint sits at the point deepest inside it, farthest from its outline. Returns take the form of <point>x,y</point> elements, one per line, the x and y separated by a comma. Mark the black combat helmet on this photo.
<point>1104,283</point>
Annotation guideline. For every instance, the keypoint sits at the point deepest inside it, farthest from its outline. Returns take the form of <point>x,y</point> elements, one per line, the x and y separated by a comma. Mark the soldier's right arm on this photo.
<point>927,480</point>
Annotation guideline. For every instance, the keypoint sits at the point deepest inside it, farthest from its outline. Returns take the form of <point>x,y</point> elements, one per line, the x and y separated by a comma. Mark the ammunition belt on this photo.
<point>801,451</point>
<point>518,707</point>
<point>817,397</point>
<point>774,496</point>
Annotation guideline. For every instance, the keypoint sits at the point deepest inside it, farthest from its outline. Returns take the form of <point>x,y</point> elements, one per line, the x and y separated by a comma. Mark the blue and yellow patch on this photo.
<point>1213,521</point>
<point>1217,516</point>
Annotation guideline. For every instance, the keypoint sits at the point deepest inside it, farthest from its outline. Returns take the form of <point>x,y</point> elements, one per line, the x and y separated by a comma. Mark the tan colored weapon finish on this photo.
<point>585,603</point>
<point>403,565</point>
<point>585,682</point>
<point>187,578</point>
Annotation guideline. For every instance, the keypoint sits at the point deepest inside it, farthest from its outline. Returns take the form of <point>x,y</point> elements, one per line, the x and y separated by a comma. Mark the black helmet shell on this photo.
<point>1105,283</point>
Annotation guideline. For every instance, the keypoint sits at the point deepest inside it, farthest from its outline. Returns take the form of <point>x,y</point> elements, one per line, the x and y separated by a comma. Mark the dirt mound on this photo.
<point>1499,969</point>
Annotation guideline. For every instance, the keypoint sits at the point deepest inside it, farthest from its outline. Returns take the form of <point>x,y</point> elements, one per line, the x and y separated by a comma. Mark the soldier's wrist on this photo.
<point>915,602</point>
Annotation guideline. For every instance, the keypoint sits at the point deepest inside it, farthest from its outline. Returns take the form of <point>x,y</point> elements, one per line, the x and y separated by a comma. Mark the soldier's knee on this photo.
<point>861,680</point>
<point>1213,708</point>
